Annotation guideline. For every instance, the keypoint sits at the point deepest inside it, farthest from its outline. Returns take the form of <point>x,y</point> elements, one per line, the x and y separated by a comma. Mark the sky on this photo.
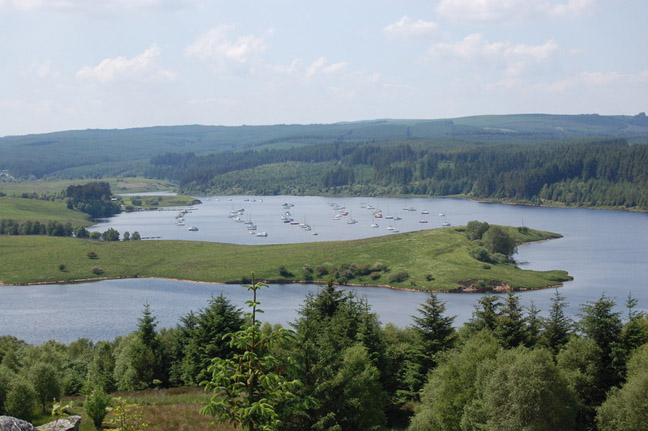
<point>88,64</point>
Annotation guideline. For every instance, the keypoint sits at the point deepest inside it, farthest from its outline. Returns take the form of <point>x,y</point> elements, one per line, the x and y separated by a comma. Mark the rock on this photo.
<point>70,423</point>
<point>8,423</point>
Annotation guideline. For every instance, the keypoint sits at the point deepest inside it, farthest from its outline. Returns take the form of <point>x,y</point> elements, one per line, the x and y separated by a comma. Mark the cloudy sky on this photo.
<point>78,64</point>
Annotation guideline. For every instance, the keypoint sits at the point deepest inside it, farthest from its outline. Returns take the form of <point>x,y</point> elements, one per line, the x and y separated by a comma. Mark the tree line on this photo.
<point>601,172</point>
<point>338,368</point>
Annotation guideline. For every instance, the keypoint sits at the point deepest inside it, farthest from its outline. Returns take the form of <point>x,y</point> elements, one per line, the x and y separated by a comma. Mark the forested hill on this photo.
<point>96,153</point>
<point>590,160</point>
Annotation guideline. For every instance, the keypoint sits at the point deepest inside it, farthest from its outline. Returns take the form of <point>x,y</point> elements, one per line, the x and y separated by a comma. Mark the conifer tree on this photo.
<point>557,327</point>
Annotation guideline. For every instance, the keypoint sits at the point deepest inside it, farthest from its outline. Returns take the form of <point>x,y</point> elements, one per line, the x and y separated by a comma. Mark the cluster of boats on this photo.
<point>238,216</point>
<point>287,217</point>
<point>341,211</point>
<point>180,220</point>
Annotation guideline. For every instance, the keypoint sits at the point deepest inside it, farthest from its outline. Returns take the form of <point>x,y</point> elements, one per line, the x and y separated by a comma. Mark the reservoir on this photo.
<point>605,251</point>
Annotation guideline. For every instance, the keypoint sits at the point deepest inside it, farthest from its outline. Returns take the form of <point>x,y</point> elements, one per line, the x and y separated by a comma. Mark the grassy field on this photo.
<point>117,185</point>
<point>436,259</point>
<point>21,210</point>
<point>175,409</point>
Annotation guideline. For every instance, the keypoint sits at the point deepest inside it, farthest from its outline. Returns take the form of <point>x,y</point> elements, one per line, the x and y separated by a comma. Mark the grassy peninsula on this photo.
<point>438,259</point>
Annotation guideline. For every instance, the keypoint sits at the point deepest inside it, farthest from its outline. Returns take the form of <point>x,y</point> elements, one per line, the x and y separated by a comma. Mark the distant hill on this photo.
<point>98,153</point>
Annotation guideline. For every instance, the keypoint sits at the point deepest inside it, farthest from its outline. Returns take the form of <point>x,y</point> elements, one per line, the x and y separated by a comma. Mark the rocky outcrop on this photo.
<point>71,423</point>
<point>8,423</point>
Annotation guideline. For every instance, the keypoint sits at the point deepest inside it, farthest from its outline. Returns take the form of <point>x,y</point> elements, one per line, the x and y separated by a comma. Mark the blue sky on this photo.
<point>78,64</point>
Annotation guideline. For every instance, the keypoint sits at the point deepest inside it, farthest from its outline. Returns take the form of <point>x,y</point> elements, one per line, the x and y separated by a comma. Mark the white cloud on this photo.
<point>507,10</point>
<point>335,68</point>
<point>218,48</point>
<point>571,7</point>
<point>142,67</point>
<point>320,66</point>
<point>315,67</point>
<point>407,27</point>
<point>514,57</point>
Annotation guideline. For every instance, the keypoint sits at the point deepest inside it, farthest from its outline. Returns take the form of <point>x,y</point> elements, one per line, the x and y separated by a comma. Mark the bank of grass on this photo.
<point>117,185</point>
<point>436,259</point>
<point>21,210</point>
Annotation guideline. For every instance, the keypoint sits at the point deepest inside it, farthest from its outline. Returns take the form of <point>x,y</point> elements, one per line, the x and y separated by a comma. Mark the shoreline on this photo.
<point>464,287</point>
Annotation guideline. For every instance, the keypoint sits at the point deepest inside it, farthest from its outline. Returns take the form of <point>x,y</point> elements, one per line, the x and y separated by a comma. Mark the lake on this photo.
<point>605,251</point>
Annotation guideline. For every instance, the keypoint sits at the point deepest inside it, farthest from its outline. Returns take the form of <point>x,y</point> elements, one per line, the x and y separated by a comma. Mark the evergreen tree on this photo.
<point>436,334</point>
<point>557,327</point>
<point>203,337</point>
<point>635,331</point>
<point>329,323</point>
<point>511,327</point>
<point>248,390</point>
<point>600,324</point>
<point>486,314</point>
<point>140,359</point>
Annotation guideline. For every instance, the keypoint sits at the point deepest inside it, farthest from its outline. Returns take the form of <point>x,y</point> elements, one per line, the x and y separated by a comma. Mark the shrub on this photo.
<point>475,230</point>
<point>95,406</point>
<point>375,275</point>
<point>283,271</point>
<point>92,255</point>
<point>95,235</point>
<point>96,270</point>
<point>481,254</point>
<point>321,271</point>
<point>61,267</point>
<point>21,400</point>
<point>429,277</point>
<point>398,277</point>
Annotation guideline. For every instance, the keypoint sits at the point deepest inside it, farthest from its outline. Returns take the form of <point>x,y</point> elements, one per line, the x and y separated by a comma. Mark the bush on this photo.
<point>61,267</point>
<point>96,270</point>
<point>321,271</point>
<point>398,277</point>
<point>475,230</point>
<point>95,235</point>
<point>375,275</point>
<point>21,400</point>
<point>95,406</point>
<point>92,255</point>
<point>283,271</point>
<point>481,254</point>
<point>429,277</point>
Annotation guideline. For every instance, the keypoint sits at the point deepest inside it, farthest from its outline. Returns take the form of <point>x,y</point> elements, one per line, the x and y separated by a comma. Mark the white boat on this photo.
<point>352,221</point>
<point>441,215</point>
<point>374,225</point>
<point>262,234</point>
<point>193,229</point>
<point>425,212</point>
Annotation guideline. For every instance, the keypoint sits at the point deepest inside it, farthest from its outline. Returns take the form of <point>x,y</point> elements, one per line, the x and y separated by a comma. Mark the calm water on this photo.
<point>605,251</point>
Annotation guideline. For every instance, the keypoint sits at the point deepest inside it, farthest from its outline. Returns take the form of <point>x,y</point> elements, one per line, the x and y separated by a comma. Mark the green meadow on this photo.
<point>432,260</point>
<point>20,209</point>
